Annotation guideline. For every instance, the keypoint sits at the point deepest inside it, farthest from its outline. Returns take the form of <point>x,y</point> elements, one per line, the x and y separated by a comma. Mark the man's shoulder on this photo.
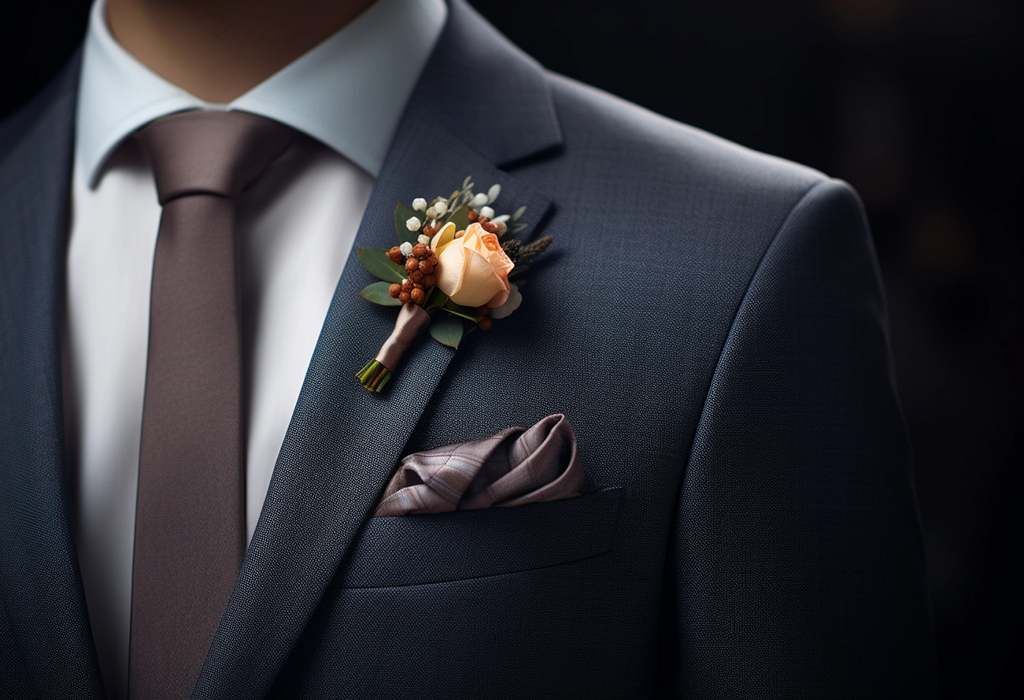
<point>667,163</point>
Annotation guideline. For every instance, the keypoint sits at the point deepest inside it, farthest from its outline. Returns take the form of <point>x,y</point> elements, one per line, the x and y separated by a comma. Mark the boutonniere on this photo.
<point>457,268</point>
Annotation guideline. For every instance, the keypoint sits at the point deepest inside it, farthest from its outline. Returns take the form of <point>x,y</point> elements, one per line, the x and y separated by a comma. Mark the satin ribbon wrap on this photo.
<point>512,468</point>
<point>411,320</point>
<point>377,372</point>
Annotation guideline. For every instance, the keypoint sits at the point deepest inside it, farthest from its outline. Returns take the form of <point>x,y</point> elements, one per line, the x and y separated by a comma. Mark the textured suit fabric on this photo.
<point>41,646</point>
<point>711,322</point>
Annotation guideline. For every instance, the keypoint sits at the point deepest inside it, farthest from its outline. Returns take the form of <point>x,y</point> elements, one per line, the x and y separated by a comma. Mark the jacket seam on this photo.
<point>732,324</point>
<point>718,363</point>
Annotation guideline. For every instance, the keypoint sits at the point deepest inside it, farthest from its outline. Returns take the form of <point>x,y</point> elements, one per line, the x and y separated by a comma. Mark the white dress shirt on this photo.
<point>296,224</point>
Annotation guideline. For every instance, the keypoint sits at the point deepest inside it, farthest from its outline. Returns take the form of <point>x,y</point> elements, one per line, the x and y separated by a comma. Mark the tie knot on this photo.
<point>205,152</point>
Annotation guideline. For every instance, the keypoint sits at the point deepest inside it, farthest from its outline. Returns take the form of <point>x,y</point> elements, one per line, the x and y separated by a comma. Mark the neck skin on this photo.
<point>220,49</point>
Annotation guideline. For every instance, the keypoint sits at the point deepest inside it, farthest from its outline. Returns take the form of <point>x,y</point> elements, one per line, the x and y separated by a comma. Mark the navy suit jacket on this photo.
<point>710,320</point>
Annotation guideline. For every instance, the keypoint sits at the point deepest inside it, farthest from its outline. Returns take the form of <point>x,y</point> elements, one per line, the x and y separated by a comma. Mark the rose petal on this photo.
<point>450,264</point>
<point>479,282</point>
<point>488,245</point>
<point>501,297</point>
<point>473,270</point>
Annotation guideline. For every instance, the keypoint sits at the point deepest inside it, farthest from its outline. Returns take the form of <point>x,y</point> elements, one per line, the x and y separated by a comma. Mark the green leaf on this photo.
<point>446,330</point>
<point>435,300</point>
<point>378,293</point>
<point>401,216</point>
<point>460,219</point>
<point>377,262</point>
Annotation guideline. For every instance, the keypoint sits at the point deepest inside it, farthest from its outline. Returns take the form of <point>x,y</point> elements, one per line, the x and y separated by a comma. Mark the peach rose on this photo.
<point>473,270</point>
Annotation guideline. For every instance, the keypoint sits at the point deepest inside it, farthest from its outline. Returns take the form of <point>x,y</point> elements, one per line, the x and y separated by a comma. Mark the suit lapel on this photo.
<point>343,443</point>
<point>39,578</point>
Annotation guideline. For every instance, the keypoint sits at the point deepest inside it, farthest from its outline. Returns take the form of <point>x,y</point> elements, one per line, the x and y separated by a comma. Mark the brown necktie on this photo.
<point>190,517</point>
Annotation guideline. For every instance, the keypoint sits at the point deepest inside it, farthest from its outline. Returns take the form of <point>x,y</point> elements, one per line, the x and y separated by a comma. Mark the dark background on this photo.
<point>917,103</point>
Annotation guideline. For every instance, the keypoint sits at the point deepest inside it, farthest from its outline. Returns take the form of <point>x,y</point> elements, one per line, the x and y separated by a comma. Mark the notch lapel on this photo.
<point>39,577</point>
<point>343,442</point>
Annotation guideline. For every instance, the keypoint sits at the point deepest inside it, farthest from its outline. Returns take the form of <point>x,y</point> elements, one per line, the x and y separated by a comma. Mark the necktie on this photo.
<point>190,516</point>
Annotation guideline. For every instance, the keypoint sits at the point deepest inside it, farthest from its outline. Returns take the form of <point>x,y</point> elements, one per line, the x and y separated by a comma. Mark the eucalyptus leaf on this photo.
<point>402,215</point>
<point>446,330</point>
<point>461,219</point>
<point>378,264</point>
<point>378,293</point>
<point>435,300</point>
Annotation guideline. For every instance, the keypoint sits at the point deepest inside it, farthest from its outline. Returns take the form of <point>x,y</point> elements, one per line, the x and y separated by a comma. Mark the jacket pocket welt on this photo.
<point>417,549</point>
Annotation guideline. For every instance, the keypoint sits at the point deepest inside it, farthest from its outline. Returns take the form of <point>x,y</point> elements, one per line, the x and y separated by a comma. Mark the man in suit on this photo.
<point>709,319</point>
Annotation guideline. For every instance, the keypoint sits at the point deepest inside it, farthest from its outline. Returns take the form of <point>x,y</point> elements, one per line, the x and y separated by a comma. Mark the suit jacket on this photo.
<point>711,322</point>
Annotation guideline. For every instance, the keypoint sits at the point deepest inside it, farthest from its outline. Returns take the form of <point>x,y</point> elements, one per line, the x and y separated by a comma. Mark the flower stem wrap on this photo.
<point>375,375</point>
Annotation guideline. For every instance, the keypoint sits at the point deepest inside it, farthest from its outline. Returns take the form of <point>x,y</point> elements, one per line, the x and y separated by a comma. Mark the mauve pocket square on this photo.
<point>514,467</point>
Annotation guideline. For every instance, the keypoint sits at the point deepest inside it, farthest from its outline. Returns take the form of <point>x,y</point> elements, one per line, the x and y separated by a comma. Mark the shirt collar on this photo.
<point>348,92</point>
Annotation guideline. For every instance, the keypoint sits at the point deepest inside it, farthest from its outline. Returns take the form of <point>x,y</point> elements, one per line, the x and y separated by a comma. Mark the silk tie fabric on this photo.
<point>190,514</point>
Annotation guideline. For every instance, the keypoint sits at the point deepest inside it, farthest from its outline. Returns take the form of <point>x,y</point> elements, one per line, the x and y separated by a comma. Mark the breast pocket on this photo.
<point>417,549</point>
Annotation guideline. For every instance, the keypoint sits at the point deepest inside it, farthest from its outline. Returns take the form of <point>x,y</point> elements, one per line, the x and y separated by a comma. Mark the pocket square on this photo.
<point>512,468</point>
